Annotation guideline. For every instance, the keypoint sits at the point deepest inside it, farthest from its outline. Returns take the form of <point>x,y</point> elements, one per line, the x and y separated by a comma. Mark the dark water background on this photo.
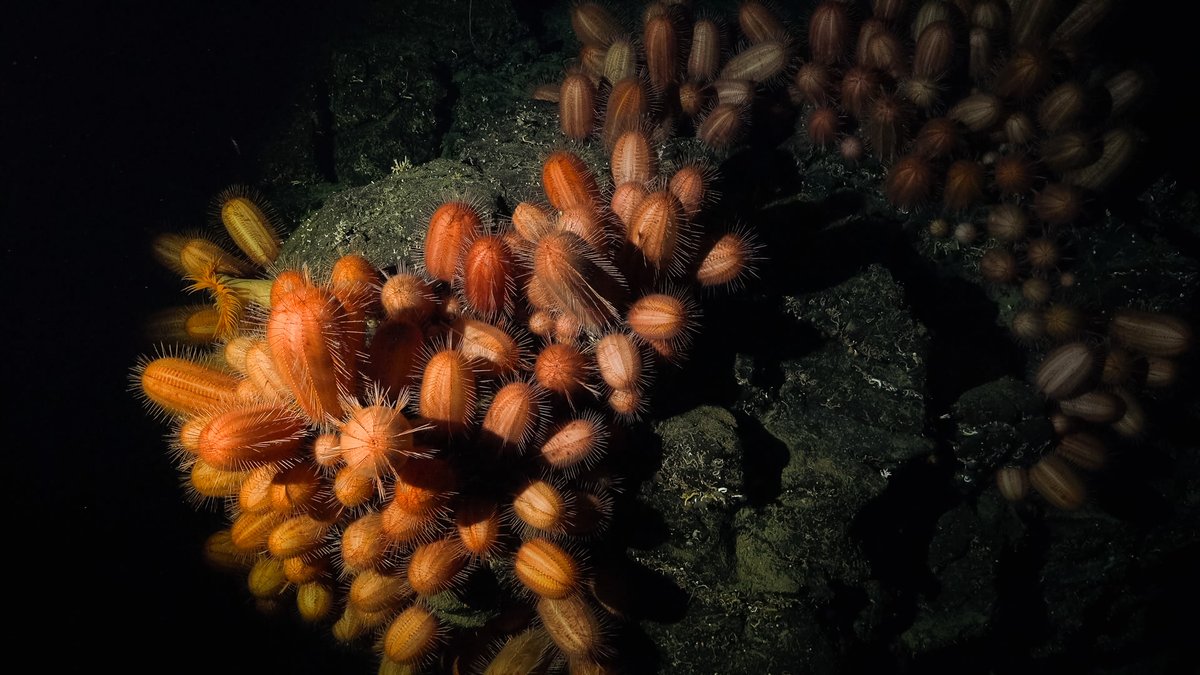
<point>120,121</point>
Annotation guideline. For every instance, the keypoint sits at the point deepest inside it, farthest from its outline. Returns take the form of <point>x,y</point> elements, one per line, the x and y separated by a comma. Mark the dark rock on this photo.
<point>963,556</point>
<point>383,96</point>
<point>384,221</point>
<point>997,424</point>
<point>698,488</point>
<point>860,389</point>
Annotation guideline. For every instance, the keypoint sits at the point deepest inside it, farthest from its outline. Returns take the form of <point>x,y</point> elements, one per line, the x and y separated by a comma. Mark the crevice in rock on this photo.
<point>1020,622</point>
<point>324,138</point>
<point>443,109</point>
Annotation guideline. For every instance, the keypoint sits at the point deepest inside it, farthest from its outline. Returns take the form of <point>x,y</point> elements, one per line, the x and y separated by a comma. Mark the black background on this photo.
<point>120,121</point>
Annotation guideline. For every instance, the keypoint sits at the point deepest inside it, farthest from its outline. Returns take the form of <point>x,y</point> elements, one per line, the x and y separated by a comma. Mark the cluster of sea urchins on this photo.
<point>379,437</point>
<point>971,102</point>
<point>994,109</point>
<point>675,76</point>
<point>1094,388</point>
<point>965,100</point>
